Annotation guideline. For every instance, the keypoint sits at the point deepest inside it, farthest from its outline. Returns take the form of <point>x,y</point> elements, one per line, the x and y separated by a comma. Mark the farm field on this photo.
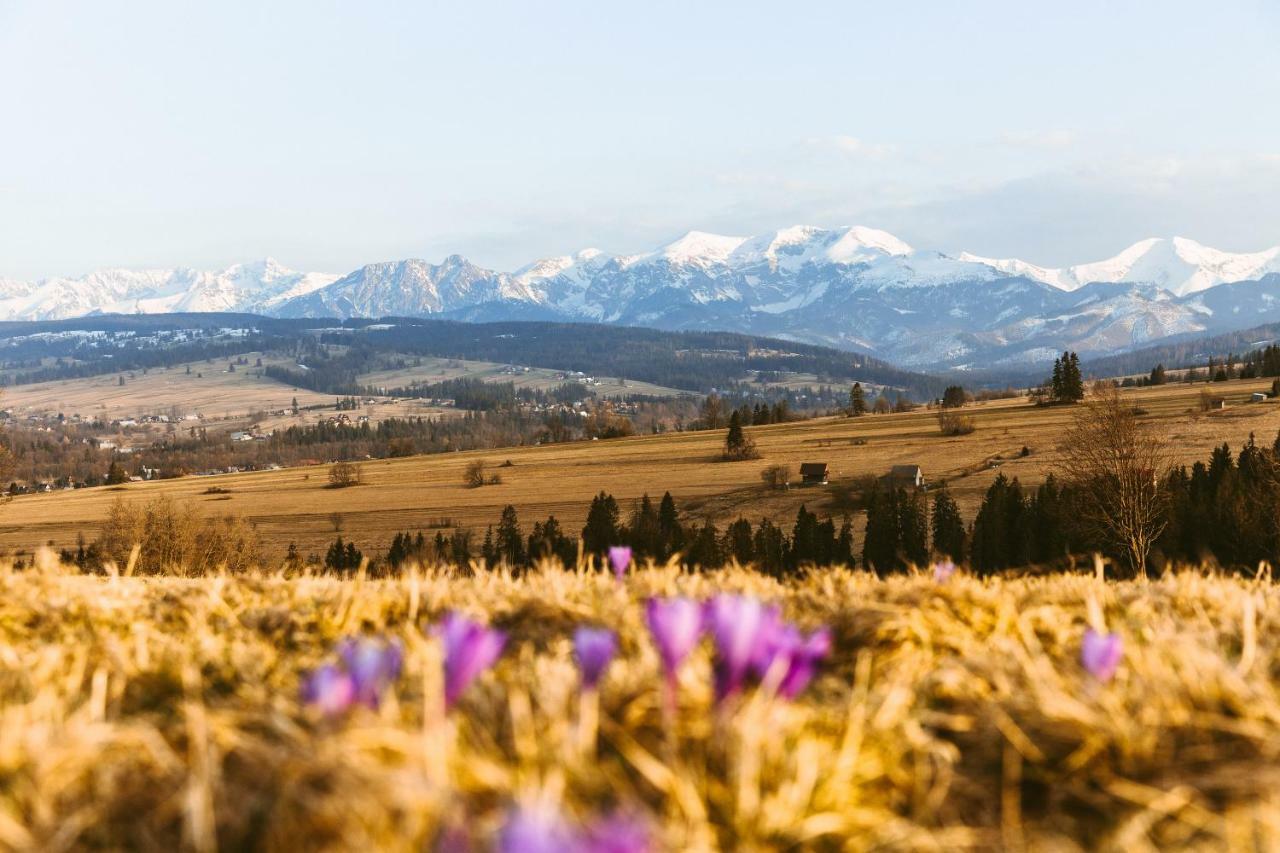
<point>434,369</point>
<point>165,714</point>
<point>209,390</point>
<point>294,505</point>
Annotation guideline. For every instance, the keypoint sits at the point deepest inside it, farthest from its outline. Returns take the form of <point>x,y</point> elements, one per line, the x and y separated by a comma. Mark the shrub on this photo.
<point>173,537</point>
<point>473,474</point>
<point>776,476</point>
<point>951,422</point>
<point>344,474</point>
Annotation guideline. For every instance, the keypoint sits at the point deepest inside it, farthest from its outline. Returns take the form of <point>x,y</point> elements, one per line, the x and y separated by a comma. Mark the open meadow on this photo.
<point>431,369</point>
<point>410,494</point>
<point>165,714</point>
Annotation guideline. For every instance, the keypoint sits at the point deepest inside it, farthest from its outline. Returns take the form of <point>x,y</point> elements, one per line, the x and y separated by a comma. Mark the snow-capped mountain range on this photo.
<point>853,287</point>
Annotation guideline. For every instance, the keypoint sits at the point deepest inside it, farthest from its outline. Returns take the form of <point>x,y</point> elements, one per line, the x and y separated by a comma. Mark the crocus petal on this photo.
<point>536,830</point>
<point>469,649</point>
<point>676,626</point>
<point>620,559</point>
<point>594,649</point>
<point>742,627</point>
<point>373,666</point>
<point>329,690</point>
<point>943,570</point>
<point>1100,654</point>
<point>804,663</point>
<point>619,833</point>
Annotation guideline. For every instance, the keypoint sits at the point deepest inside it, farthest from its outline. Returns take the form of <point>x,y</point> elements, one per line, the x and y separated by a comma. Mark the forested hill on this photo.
<point>692,361</point>
<point>1189,352</point>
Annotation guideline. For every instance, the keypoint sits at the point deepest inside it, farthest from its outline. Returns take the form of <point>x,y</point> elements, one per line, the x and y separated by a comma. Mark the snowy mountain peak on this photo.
<point>1178,265</point>
<point>850,286</point>
<point>700,247</point>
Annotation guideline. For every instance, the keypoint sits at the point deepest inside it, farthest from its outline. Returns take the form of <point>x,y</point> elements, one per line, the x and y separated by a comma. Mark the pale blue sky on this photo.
<point>333,134</point>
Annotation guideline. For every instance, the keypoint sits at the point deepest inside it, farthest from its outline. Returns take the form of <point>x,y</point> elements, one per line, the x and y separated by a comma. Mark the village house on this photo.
<point>813,473</point>
<point>904,477</point>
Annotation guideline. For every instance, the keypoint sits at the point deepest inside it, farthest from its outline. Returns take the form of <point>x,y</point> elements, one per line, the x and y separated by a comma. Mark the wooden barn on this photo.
<point>813,473</point>
<point>904,477</point>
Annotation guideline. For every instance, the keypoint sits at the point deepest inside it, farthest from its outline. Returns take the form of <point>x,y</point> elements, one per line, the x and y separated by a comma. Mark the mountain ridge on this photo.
<point>855,287</point>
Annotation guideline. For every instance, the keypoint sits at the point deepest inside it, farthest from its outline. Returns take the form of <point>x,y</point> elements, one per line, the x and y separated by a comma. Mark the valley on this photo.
<point>428,492</point>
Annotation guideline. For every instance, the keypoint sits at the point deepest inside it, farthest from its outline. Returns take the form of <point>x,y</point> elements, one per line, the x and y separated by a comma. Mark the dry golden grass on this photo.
<point>162,714</point>
<point>538,378</point>
<point>405,494</point>
<point>215,394</point>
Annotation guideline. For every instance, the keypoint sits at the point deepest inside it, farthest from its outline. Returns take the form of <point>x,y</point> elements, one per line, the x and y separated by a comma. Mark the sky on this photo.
<point>333,134</point>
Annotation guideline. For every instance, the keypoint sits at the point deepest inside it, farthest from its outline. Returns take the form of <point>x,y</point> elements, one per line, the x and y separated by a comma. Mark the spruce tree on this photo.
<point>601,531</point>
<point>913,524</point>
<point>736,443</point>
<point>948,527</point>
<point>881,545</point>
<point>670,534</point>
<point>857,401</point>
<point>509,541</point>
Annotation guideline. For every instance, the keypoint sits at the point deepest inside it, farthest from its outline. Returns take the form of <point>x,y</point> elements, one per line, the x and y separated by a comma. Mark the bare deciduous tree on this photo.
<point>344,474</point>
<point>776,476</point>
<point>473,475</point>
<point>1117,466</point>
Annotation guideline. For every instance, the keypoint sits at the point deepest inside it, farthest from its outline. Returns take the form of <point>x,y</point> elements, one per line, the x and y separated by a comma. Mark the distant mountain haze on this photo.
<point>855,287</point>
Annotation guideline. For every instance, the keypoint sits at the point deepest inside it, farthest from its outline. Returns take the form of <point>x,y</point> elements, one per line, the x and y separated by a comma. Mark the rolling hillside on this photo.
<point>293,505</point>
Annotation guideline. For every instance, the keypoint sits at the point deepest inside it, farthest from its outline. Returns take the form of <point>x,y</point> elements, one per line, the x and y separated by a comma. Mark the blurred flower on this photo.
<point>742,628</point>
<point>594,648</point>
<point>620,832</point>
<point>329,690</point>
<point>620,559</point>
<point>795,656</point>
<point>373,665</point>
<point>943,570</point>
<point>454,839</point>
<point>804,663</point>
<point>1100,654</point>
<point>537,829</point>
<point>469,649</point>
<point>676,626</point>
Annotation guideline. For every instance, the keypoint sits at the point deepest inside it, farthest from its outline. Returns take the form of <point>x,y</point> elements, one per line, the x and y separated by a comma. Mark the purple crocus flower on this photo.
<point>742,627</point>
<point>943,570</point>
<point>795,656</point>
<point>469,649</point>
<point>594,648</point>
<point>538,829</point>
<point>676,626</point>
<point>620,559</point>
<point>804,663</point>
<point>329,690</point>
<point>619,832</point>
<point>1100,654</point>
<point>373,666</point>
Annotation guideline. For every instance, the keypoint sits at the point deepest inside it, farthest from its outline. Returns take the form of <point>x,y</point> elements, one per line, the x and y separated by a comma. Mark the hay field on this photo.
<point>293,505</point>
<point>214,394</point>
<point>164,714</point>
<point>435,369</point>
<point>209,390</point>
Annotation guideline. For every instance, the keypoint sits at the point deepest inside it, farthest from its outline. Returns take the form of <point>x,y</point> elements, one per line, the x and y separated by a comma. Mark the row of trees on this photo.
<point>652,530</point>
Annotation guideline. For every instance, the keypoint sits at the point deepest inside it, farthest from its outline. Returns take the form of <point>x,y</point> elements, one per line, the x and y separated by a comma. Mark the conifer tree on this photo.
<point>913,523</point>
<point>883,537</point>
<point>948,528</point>
<point>857,401</point>
<point>601,531</point>
<point>509,541</point>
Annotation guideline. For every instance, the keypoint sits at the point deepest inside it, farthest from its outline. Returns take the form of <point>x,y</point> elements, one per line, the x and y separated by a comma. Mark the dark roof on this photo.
<point>812,469</point>
<point>904,471</point>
